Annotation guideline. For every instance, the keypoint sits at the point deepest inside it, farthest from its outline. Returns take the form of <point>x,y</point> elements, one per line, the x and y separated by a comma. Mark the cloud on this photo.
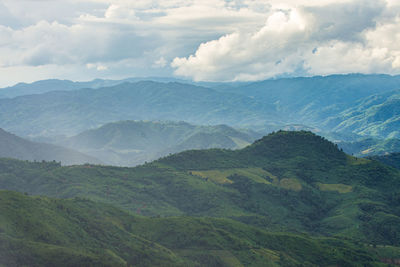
<point>219,40</point>
<point>353,36</point>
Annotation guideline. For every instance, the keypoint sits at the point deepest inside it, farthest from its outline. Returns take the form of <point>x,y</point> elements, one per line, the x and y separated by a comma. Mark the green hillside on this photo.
<point>286,181</point>
<point>392,159</point>
<point>41,231</point>
<point>129,143</point>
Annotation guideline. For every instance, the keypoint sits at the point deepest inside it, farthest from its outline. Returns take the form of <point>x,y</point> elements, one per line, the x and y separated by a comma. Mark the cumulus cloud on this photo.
<point>353,36</point>
<point>219,40</point>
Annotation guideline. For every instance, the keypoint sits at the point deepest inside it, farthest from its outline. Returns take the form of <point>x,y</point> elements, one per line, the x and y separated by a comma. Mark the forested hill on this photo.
<point>41,231</point>
<point>392,159</point>
<point>286,181</point>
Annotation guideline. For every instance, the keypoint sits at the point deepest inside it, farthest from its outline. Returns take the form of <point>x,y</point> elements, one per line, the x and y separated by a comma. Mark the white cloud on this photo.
<point>199,39</point>
<point>353,36</point>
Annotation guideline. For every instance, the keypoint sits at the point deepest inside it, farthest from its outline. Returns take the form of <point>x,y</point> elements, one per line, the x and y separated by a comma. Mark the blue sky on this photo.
<point>203,40</point>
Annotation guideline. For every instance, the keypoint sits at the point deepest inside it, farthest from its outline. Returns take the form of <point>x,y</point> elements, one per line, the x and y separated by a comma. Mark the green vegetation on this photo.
<point>390,159</point>
<point>40,231</point>
<point>295,183</point>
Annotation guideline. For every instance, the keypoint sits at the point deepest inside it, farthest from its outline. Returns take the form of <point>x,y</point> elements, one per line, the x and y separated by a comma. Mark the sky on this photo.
<point>201,40</point>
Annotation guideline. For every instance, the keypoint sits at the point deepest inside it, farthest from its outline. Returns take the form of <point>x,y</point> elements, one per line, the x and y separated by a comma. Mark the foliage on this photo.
<point>41,231</point>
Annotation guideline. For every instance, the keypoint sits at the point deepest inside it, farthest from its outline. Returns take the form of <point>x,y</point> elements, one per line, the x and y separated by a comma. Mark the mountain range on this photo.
<point>370,146</point>
<point>50,85</point>
<point>205,194</point>
<point>288,182</point>
<point>12,146</point>
<point>129,143</point>
<point>70,112</point>
<point>365,105</point>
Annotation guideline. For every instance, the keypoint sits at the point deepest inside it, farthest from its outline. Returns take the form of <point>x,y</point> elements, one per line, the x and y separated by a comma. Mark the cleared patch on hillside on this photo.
<point>258,175</point>
<point>340,188</point>
<point>290,184</point>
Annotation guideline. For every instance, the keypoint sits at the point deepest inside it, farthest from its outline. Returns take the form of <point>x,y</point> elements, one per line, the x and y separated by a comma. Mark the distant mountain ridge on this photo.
<point>12,146</point>
<point>312,99</point>
<point>370,146</point>
<point>359,104</point>
<point>44,86</point>
<point>129,143</point>
<point>376,115</point>
<point>70,112</point>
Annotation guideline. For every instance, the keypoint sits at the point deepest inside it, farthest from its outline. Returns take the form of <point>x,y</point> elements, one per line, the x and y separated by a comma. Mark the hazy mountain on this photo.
<point>360,104</point>
<point>370,146</point>
<point>129,143</point>
<point>377,116</point>
<point>286,181</point>
<point>309,100</point>
<point>12,146</point>
<point>45,86</point>
<point>70,112</point>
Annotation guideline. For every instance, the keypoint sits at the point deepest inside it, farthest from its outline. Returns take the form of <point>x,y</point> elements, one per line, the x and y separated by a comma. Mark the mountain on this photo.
<point>392,159</point>
<point>377,116</point>
<point>41,231</point>
<point>370,146</point>
<point>129,143</point>
<point>360,104</point>
<point>286,181</point>
<point>44,86</point>
<point>12,146</point>
<point>311,100</point>
<point>71,112</point>
<point>50,85</point>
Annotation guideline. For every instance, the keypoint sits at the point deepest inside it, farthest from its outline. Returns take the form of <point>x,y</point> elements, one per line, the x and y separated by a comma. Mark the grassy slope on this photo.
<point>280,182</point>
<point>41,231</point>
